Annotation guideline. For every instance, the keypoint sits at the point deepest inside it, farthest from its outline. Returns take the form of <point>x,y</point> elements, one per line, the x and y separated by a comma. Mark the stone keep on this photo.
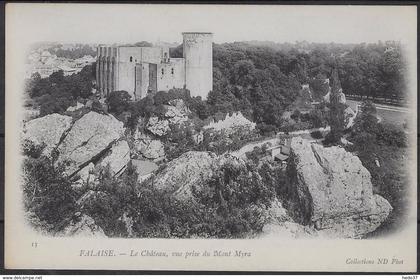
<point>198,55</point>
<point>144,70</point>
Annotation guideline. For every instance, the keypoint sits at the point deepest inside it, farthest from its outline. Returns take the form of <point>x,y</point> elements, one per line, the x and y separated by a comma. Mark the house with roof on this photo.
<point>280,153</point>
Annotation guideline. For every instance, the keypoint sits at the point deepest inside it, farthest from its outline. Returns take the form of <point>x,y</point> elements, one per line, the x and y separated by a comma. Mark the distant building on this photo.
<point>144,70</point>
<point>280,153</point>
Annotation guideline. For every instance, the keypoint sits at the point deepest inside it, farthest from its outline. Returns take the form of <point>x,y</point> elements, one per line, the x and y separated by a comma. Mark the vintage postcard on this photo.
<point>211,137</point>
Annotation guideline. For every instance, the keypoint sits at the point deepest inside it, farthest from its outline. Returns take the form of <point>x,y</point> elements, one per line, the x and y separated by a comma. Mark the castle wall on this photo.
<point>152,87</point>
<point>139,70</point>
<point>105,69</point>
<point>127,59</point>
<point>198,55</point>
<point>153,55</point>
<point>142,80</point>
<point>171,74</point>
<point>135,80</point>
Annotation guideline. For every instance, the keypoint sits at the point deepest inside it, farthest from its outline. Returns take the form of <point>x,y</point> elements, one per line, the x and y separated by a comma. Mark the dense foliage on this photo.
<point>229,205</point>
<point>57,92</point>
<point>382,150</point>
<point>46,188</point>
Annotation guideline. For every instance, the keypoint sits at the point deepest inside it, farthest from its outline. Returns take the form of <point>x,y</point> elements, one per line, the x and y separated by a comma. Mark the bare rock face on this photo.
<point>83,226</point>
<point>232,122</point>
<point>189,172</point>
<point>117,158</point>
<point>158,127</point>
<point>78,106</point>
<point>182,173</point>
<point>47,131</point>
<point>151,149</point>
<point>333,191</point>
<point>177,112</point>
<point>89,136</point>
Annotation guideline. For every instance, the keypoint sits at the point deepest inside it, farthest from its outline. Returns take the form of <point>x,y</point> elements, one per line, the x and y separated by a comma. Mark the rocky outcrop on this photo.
<point>147,147</point>
<point>175,116</point>
<point>117,158</point>
<point>83,226</point>
<point>78,106</point>
<point>187,173</point>
<point>181,174</point>
<point>177,112</point>
<point>151,149</point>
<point>89,137</point>
<point>231,122</point>
<point>158,127</point>
<point>333,191</point>
<point>47,131</point>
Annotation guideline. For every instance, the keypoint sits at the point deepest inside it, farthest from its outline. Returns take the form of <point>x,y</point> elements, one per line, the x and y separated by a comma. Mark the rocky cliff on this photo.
<point>190,171</point>
<point>92,140</point>
<point>333,191</point>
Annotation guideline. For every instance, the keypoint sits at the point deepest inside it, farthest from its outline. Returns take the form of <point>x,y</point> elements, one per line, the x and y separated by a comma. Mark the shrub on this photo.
<point>229,205</point>
<point>115,197</point>
<point>47,193</point>
<point>316,134</point>
<point>118,101</point>
<point>391,136</point>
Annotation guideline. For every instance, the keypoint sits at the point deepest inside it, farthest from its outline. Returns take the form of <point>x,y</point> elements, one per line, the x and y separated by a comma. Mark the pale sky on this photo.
<point>127,23</point>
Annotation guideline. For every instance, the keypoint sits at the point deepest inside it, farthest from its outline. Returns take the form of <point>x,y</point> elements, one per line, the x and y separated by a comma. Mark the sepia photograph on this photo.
<point>211,137</point>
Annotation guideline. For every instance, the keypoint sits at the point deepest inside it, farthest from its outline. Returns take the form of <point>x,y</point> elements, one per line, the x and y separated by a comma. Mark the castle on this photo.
<point>144,70</point>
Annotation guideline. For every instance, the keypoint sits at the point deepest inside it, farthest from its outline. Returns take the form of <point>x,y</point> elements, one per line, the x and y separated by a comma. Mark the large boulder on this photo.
<point>83,226</point>
<point>190,169</point>
<point>231,122</point>
<point>158,127</point>
<point>89,137</point>
<point>47,131</point>
<point>116,158</point>
<point>175,115</point>
<point>78,106</point>
<point>333,191</point>
<point>151,149</point>
<point>189,172</point>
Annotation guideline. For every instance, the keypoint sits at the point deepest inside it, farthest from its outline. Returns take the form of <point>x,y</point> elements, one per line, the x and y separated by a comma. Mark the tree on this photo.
<point>336,118</point>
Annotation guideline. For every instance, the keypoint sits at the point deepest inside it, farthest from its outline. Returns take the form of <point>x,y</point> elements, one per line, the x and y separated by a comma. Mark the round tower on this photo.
<point>198,55</point>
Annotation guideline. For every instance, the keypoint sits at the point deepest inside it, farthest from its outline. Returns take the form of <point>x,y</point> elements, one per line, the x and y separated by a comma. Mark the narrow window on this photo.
<point>172,71</point>
<point>163,72</point>
<point>131,59</point>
